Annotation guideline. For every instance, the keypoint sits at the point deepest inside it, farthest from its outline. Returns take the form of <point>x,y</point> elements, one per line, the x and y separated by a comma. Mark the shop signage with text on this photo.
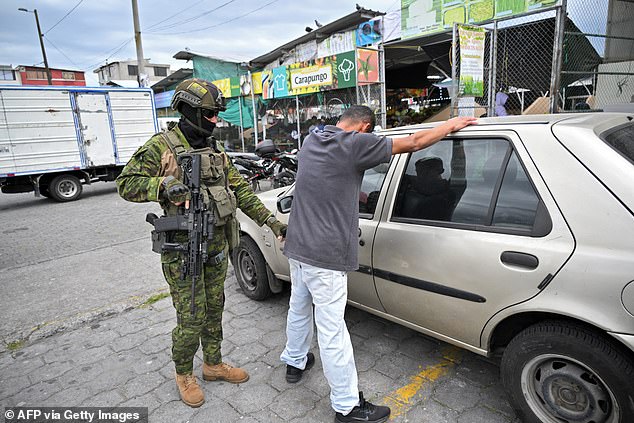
<point>311,76</point>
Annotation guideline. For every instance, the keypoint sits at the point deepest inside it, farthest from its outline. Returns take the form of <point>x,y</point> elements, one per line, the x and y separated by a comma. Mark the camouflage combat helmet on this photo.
<point>197,99</point>
<point>198,93</point>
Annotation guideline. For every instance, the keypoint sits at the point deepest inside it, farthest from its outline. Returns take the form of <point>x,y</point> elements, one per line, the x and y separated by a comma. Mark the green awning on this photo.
<point>232,114</point>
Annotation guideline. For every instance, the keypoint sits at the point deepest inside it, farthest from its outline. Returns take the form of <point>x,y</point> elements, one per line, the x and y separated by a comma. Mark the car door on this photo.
<point>468,230</point>
<point>361,290</point>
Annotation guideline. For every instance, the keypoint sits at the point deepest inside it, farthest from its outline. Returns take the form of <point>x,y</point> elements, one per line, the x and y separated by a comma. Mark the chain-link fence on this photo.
<point>518,60</point>
<point>371,95</point>
<point>597,71</point>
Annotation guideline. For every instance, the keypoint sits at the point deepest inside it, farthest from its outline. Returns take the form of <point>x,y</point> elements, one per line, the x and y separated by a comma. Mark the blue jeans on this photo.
<point>328,291</point>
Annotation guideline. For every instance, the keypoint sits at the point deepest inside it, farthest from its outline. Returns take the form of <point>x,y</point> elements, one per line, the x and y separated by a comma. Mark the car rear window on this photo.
<point>621,139</point>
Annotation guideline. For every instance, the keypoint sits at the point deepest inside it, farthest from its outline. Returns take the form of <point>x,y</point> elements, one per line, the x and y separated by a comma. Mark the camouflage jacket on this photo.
<point>140,180</point>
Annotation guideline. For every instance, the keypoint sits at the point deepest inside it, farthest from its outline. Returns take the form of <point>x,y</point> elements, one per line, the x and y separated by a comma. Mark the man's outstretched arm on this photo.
<point>426,137</point>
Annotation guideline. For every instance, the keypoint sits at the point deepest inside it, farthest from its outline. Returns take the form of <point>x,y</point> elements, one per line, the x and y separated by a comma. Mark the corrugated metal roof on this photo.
<point>347,22</point>
<point>179,75</point>
<point>188,55</point>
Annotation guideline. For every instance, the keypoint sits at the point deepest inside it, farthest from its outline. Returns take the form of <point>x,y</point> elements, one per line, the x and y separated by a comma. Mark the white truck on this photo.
<point>54,139</point>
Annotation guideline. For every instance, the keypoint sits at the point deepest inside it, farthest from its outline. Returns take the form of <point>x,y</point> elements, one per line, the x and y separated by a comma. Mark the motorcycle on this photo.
<point>248,165</point>
<point>267,163</point>
<point>286,169</point>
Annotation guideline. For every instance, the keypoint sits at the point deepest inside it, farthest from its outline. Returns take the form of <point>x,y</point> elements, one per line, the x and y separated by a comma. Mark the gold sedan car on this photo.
<point>513,237</point>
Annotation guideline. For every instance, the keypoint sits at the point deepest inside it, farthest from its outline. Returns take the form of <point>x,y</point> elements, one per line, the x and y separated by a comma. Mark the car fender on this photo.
<point>559,302</point>
<point>265,239</point>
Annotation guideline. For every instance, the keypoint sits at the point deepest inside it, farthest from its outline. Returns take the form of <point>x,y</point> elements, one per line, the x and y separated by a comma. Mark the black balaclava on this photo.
<point>196,129</point>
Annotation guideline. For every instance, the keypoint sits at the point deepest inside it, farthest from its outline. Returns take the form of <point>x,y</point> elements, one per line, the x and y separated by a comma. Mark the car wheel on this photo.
<point>557,372</point>
<point>250,269</point>
<point>65,188</point>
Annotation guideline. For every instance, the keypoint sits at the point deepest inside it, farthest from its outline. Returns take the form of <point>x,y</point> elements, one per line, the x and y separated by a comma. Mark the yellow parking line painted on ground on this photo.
<point>401,400</point>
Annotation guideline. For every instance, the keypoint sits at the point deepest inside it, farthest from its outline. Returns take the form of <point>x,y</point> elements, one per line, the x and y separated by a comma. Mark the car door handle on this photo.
<point>514,258</point>
<point>361,242</point>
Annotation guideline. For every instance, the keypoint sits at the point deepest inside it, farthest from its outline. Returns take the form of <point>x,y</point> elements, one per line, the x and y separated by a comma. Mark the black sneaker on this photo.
<point>294,375</point>
<point>365,412</point>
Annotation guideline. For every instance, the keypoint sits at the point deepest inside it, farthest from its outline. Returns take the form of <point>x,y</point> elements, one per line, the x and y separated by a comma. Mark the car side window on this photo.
<point>621,139</point>
<point>467,183</point>
<point>371,188</point>
<point>517,202</point>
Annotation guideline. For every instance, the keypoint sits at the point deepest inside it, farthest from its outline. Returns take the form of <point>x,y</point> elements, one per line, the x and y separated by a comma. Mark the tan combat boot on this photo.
<point>224,371</point>
<point>190,391</point>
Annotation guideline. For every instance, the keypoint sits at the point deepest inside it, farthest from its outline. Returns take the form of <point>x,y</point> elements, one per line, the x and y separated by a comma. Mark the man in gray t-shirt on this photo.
<point>325,211</point>
<point>321,244</point>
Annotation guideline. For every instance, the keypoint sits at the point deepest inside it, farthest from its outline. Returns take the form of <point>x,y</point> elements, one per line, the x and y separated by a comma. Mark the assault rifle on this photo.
<point>196,220</point>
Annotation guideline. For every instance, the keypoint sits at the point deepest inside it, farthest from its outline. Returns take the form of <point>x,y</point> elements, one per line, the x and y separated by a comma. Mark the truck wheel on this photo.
<point>558,372</point>
<point>250,269</point>
<point>65,188</point>
<point>44,192</point>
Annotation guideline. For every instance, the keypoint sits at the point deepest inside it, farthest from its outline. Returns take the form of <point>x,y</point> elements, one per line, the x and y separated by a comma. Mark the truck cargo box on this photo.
<point>86,132</point>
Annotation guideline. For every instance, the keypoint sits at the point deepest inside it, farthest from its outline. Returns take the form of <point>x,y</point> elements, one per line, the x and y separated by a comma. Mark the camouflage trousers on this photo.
<point>205,326</point>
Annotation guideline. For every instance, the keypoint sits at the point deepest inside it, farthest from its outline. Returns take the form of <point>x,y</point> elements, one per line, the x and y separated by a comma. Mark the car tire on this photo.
<point>250,269</point>
<point>559,372</point>
<point>65,188</point>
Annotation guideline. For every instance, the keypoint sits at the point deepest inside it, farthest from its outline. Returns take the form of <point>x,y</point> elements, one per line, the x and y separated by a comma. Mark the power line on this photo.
<point>174,15</point>
<point>114,51</point>
<point>62,53</point>
<point>188,20</point>
<point>389,9</point>
<point>221,23</point>
<point>64,17</point>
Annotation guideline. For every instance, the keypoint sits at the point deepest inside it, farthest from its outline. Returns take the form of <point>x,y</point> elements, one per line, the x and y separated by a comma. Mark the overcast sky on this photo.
<point>98,30</point>
<point>83,34</point>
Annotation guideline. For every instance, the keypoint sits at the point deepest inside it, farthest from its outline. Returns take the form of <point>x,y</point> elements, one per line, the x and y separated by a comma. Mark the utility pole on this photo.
<point>555,75</point>
<point>255,112</point>
<point>137,39</point>
<point>39,33</point>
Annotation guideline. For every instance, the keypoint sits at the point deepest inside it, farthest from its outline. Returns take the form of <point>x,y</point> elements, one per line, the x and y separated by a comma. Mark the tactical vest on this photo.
<point>214,175</point>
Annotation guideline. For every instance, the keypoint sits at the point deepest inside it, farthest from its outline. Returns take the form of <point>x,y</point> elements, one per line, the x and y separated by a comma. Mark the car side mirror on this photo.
<point>284,204</point>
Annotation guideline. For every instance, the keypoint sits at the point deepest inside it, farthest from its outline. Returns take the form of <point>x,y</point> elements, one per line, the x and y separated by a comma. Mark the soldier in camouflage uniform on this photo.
<point>152,174</point>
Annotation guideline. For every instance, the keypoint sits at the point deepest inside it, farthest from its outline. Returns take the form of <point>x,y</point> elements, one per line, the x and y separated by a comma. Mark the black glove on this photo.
<point>278,228</point>
<point>175,190</point>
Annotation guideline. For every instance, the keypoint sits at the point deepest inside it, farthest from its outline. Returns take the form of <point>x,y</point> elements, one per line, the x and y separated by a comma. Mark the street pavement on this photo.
<point>79,331</point>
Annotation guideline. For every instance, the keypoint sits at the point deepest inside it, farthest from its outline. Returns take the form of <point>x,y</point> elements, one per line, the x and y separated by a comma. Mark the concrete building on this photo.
<point>113,73</point>
<point>163,93</point>
<point>8,76</point>
<point>35,75</point>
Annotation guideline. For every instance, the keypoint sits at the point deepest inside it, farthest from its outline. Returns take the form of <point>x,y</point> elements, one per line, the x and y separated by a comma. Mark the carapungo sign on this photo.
<point>323,74</point>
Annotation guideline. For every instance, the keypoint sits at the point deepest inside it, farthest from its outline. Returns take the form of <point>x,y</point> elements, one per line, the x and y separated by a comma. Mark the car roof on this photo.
<point>591,119</point>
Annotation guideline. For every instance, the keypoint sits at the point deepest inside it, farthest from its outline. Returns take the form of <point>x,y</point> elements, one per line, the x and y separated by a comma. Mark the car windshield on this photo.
<point>621,139</point>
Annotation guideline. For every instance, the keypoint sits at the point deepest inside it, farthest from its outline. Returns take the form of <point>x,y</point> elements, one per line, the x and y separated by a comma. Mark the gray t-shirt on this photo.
<point>324,220</point>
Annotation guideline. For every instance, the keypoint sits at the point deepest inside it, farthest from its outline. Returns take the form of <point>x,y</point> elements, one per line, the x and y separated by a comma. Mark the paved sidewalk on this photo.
<point>124,360</point>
